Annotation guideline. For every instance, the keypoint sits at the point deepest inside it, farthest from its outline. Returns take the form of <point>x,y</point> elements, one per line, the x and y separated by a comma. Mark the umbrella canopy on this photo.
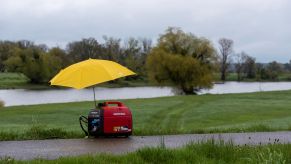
<point>90,72</point>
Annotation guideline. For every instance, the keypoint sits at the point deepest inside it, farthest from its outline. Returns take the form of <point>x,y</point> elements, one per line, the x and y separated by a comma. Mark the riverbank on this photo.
<point>20,81</point>
<point>249,112</point>
<point>283,77</point>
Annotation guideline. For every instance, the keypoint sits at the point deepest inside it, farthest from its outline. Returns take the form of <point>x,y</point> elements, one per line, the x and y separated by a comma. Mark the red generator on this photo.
<point>112,118</point>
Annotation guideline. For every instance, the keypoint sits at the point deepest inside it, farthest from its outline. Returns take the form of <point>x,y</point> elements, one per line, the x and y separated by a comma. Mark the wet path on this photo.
<point>52,149</point>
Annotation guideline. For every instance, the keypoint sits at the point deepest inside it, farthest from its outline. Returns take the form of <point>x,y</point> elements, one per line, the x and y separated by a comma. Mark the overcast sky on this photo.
<point>261,28</point>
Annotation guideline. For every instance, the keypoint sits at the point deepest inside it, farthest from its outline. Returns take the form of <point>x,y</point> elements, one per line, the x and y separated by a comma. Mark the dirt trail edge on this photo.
<point>53,149</point>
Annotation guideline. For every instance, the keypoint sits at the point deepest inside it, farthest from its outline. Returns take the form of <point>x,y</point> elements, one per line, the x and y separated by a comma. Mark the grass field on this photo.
<point>264,111</point>
<point>18,81</point>
<point>11,80</point>
<point>233,77</point>
<point>208,152</point>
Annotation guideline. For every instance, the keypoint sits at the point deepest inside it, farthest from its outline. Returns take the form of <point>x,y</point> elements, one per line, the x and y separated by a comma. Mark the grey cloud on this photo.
<point>259,27</point>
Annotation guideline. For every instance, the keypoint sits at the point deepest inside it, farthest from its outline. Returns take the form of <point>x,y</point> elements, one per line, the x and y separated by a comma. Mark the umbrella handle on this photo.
<point>94,98</point>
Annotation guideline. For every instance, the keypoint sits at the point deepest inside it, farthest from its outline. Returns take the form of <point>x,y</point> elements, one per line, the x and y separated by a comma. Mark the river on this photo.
<point>13,97</point>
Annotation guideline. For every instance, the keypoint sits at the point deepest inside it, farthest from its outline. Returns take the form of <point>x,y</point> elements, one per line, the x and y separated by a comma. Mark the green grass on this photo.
<point>13,77</point>
<point>18,81</point>
<point>208,152</point>
<point>8,80</point>
<point>285,77</point>
<point>264,111</point>
<point>233,77</point>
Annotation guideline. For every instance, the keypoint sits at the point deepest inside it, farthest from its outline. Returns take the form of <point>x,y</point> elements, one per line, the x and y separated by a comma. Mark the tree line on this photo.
<point>178,58</point>
<point>40,63</point>
<point>245,66</point>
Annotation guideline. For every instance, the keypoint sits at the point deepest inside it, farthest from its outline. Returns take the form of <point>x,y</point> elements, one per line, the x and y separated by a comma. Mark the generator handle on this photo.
<point>113,102</point>
<point>83,119</point>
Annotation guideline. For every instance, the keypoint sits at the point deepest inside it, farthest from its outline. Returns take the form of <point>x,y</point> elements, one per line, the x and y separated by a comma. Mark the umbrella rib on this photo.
<point>108,72</point>
<point>80,78</point>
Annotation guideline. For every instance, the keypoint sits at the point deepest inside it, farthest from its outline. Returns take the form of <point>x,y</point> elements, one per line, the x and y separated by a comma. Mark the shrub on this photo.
<point>2,103</point>
<point>182,60</point>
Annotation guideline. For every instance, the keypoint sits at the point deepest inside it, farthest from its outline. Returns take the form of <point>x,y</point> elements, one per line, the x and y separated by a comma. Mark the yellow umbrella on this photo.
<point>90,72</point>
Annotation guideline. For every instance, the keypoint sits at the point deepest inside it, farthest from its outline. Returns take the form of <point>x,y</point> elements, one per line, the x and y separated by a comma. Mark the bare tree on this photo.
<point>240,60</point>
<point>250,67</point>
<point>113,49</point>
<point>146,45</point>
<point>23,44</point>
<point>84,49</point>
<point>226,49</point>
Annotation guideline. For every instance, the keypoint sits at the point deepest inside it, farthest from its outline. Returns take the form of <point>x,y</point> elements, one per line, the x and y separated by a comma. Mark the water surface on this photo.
<point>13,97</point>
<point>26,97</point>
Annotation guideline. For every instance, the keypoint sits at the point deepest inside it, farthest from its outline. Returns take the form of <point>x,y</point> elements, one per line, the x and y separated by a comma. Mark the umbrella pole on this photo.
<point>94,98</point>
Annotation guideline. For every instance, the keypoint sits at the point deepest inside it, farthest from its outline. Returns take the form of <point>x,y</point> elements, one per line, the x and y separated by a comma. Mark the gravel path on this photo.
<point>52,149</point>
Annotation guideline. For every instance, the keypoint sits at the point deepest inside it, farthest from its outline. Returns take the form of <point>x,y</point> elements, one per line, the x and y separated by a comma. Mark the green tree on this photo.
<point>273,70</point>
<point>37,65</point>
<point>15,62</point>
<point>60,55</point>
<point>181,59</point>
<point>6,48</point>
<point>270,71</point>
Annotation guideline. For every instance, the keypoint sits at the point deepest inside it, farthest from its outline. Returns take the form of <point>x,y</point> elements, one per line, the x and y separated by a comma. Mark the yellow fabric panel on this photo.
<point>90,72</point>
